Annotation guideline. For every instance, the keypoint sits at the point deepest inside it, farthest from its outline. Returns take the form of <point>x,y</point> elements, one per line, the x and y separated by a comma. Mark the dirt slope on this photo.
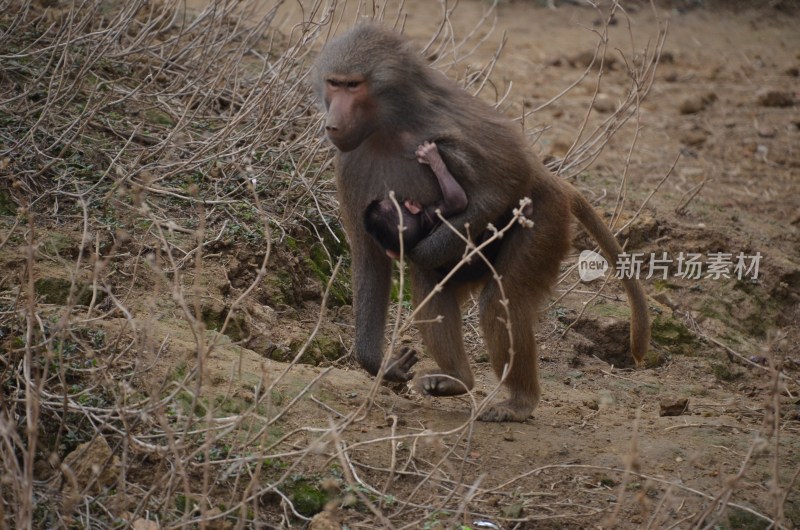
<point>598,452</point>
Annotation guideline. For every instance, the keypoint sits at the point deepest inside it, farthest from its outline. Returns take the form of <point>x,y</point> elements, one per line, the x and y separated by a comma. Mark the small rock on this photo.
<point>603,103</point>
<point>775,98</point>
<point>144,524</point>
<point>694,104</point>
<point>264,315</point>
<point>508,435</point>
<point>673,406</point>
<point>311,289</point>
<point>261,344</point>
<point>215,521</point>
<point>601,21</point>
<point>582,59</point>
<point>91,463</point>
<point>585,58</point>
<point>513,511</point>
<point>666,300</point>
<point>767,132</point>
<point>592,405</point>
<point>559,147</point>
<point>695,138</point>
<point>324,521</point>
<point>793,71</point>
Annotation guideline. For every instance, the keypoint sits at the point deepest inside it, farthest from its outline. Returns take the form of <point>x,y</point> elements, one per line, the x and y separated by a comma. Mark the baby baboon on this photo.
<point>382,220</point>
<point>381,102</point>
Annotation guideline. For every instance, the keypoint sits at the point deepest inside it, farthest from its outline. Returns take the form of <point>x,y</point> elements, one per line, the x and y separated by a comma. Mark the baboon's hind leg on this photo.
<point>443,338</point>
<point>512,349</point>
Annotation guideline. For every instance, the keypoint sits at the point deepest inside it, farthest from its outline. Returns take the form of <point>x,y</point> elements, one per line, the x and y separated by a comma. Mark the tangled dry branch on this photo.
<point>161,140</point>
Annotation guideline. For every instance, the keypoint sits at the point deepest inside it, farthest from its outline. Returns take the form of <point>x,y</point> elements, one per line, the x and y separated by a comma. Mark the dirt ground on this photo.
<point>598,452</point>
<point>595,418</point>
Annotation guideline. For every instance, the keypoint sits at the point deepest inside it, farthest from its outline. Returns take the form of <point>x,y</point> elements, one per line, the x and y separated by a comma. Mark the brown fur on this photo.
<point>382,219</point>
<point>382,101</point>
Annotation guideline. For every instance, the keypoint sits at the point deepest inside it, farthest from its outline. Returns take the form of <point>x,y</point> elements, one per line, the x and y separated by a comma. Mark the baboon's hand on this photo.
<point>400,364</point>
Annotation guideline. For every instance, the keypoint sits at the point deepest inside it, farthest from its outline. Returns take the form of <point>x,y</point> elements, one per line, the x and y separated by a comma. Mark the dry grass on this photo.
<point>162,139</point>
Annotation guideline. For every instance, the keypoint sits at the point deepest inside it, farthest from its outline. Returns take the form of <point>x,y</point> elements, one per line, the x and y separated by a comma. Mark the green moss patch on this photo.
<point>673,336</point>
<point>56,291</point>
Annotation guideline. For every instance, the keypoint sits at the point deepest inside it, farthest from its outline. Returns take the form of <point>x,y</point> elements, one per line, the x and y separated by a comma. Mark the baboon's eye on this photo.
<point>338,83</point>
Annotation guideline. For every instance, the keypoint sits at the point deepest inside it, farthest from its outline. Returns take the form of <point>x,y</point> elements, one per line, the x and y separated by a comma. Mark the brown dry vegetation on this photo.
<point>174,283</point>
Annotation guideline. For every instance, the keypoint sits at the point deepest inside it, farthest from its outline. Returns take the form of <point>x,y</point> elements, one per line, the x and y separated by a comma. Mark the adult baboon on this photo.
<point>382,101</point>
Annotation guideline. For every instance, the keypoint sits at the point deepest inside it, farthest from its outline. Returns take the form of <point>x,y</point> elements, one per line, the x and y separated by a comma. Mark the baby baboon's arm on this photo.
<point>454,199</point>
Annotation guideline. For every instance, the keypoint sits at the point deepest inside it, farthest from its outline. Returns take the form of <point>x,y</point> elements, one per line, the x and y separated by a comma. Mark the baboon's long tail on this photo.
<point>640,320</point>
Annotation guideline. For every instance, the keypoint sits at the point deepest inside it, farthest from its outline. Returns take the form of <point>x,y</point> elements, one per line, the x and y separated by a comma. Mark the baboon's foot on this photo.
<point>438,384</point>
<point>399,368</point>
<point>509,410</point>
<point>428,153</point>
